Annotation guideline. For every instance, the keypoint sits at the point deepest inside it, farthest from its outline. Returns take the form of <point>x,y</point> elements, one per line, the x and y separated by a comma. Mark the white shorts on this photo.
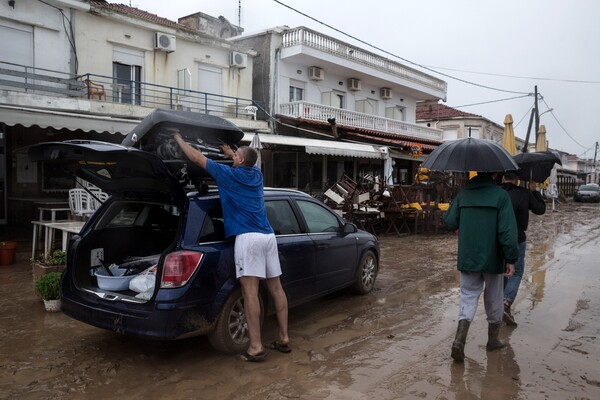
<point>256,255</point>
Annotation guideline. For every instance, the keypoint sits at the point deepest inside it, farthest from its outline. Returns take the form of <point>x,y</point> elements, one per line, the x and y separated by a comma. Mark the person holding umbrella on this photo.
<point>487,235</point>
<point>523,200</point>
<point>487,232</point>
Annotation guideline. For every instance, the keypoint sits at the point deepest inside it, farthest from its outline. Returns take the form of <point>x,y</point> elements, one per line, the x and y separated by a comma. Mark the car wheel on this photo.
<point>231,330</point>
<point>366,274</point>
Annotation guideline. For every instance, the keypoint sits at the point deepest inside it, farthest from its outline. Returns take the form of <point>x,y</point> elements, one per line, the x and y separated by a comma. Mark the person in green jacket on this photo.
<point>487,251</point>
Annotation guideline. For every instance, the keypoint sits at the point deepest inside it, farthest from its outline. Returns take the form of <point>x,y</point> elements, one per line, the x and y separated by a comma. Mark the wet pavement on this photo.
<point>391,344</point>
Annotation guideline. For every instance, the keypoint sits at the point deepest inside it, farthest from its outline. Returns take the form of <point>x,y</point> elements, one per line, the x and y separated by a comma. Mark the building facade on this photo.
<point>92,70</point>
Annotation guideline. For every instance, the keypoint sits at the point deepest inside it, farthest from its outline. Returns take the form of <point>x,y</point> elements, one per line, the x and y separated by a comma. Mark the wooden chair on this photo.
<point>95,89</point>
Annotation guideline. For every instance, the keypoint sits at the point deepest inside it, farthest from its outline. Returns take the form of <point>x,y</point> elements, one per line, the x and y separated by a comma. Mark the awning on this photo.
<point>324,147</point>
<point>404,156</point>
<point>16,115</point>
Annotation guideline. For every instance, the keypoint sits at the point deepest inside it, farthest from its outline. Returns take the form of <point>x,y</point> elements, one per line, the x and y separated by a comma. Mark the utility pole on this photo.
<point>534,115</point>
<point>537,114</point>
<point>595,172</point>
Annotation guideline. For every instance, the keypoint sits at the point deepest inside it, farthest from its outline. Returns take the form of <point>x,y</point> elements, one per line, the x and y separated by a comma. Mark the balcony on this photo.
<point>112,96</point>
<point>306,37</point>
<point>351,119</point>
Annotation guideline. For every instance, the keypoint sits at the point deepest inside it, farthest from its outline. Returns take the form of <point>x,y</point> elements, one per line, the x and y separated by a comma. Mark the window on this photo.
<point>318,219</point>
<point>367,106</point>
<point>333,99</point>
<point>310,173</point>
<point>472,132</point>
<point>296,91</point>
<point>395,112</point>
<point>127,81</point>
<point>285,175</point>
<point>210,84</point>
<point>282,218</point>
<point>127,76</point>
<point>213,228</point>
<point>450,134</point>
<point>17,46</point>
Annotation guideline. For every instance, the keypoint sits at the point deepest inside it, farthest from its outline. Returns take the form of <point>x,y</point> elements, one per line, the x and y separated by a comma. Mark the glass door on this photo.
<point>2,177</point>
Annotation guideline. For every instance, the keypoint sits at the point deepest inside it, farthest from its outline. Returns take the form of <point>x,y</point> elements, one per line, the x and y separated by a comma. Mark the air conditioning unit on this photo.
<point>316,73</point>
<point>165,42</point>
<point>386,93</point>
<point>353,84</point>
<point>238,59</point>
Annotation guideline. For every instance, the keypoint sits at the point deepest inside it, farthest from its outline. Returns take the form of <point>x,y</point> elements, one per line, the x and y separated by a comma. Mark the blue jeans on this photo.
<point>511,285</point>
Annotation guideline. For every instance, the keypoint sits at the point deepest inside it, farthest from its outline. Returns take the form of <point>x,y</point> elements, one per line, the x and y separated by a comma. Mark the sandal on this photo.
<point>282,347</point>
<point>258,357</point>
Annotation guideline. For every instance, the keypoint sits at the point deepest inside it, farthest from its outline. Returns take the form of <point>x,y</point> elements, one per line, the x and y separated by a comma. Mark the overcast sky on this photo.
<point>511,45</point>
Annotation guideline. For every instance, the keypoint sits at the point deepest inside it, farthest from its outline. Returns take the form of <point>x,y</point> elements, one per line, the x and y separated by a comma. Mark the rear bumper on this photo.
<point>168,324</point>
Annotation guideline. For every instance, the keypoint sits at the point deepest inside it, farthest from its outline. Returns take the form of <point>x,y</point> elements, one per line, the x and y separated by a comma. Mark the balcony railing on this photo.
<point>20,78</point>
<point>307,37</point>
<point>321,113</point>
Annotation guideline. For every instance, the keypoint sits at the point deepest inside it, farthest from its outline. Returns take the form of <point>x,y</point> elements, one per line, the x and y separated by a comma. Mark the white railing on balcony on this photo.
<point>352,119</point>
<point>307,37</point>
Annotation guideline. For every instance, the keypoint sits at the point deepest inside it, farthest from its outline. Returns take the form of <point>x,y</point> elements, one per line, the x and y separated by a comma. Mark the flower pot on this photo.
<point>52,305</point>
<point>7,252</point>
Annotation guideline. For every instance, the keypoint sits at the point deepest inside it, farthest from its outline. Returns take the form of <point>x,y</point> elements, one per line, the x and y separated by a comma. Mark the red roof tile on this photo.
<point>441,111</point>
<point>135,12</point>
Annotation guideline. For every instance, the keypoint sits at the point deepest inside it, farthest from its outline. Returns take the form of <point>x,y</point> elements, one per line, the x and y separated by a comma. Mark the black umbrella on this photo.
<point>470,155</point>
<point>536,166</point>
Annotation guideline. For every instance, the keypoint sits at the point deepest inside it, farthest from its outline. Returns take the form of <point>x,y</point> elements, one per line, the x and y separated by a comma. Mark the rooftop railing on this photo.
<point>35,80</point>
<point>321,113</point>
<point>307,37</point>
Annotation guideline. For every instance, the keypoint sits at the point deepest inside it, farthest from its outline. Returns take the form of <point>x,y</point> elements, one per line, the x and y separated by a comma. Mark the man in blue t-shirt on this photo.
<point>255,251</point>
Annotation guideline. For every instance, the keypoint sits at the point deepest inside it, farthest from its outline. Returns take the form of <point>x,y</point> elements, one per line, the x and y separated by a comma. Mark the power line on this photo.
<point>518,77</point>
<point>397,56</point>
<point>493,101</point>
<point>559,124</point>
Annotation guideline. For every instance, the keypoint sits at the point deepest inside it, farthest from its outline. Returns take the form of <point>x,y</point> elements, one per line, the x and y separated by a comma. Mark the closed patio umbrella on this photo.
<point>255,144</point>
<point>508,141</point>
<point>540,142</point>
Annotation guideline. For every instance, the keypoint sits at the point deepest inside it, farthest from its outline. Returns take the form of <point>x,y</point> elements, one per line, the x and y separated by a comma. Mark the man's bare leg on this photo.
<point>281,307</point>
<point>252,310</point>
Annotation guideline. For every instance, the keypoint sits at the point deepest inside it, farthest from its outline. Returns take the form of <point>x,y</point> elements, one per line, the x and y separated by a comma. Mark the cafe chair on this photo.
<point>95,89</point>
<point>80,203</point>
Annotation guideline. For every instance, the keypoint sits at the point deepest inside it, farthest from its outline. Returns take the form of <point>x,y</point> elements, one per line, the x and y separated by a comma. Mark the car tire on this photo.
<point>230,334</point>
<point>366,274</point>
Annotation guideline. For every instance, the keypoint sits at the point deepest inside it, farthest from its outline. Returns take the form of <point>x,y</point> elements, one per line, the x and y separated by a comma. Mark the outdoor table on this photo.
<point>53,211</point>
<point>65,227</point>
<point>366,220</point>
<point>396,219</point>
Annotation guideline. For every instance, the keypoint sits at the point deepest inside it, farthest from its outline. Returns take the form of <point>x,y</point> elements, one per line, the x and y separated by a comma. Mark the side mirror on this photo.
<point>349,227</point>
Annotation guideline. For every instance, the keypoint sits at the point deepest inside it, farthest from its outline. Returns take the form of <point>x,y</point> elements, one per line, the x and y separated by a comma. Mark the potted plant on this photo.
<point>8,249</point>
<point>48,286</point>
<point>49,262</point>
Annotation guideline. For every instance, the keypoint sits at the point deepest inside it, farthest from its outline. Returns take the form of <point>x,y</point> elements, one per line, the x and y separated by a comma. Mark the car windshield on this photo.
<point>593,188</point>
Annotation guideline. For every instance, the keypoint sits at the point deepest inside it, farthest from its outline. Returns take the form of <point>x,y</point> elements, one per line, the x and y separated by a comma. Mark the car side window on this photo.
<point>213,228</point>
<point>281,217</point>
<point>318,218</point>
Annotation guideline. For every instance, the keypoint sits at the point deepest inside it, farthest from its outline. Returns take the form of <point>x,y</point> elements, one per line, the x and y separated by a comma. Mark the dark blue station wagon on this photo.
<point>152,220</point>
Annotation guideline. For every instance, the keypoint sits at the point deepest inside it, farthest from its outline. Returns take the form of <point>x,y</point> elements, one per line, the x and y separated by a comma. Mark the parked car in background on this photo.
<point>588,192</point>
<point>153,260</point>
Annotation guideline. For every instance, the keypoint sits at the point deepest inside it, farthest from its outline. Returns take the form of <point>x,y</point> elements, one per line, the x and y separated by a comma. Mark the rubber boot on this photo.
<point>493,342</point>
<point>458,346</point>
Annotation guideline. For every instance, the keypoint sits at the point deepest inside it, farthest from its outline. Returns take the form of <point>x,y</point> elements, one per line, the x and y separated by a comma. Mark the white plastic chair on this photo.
<point>97,198</point>
<point>80,202</point>
<point>251,110</point>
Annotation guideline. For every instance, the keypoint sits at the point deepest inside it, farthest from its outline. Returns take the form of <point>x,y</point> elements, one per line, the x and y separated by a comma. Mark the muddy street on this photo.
<point>391,344</point>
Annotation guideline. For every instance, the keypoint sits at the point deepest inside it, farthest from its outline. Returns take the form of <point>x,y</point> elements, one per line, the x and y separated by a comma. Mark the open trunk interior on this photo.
<point>126,241</point>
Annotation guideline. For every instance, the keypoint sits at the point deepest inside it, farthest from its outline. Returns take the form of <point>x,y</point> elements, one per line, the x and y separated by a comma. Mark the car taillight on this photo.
<point>179,267</point>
